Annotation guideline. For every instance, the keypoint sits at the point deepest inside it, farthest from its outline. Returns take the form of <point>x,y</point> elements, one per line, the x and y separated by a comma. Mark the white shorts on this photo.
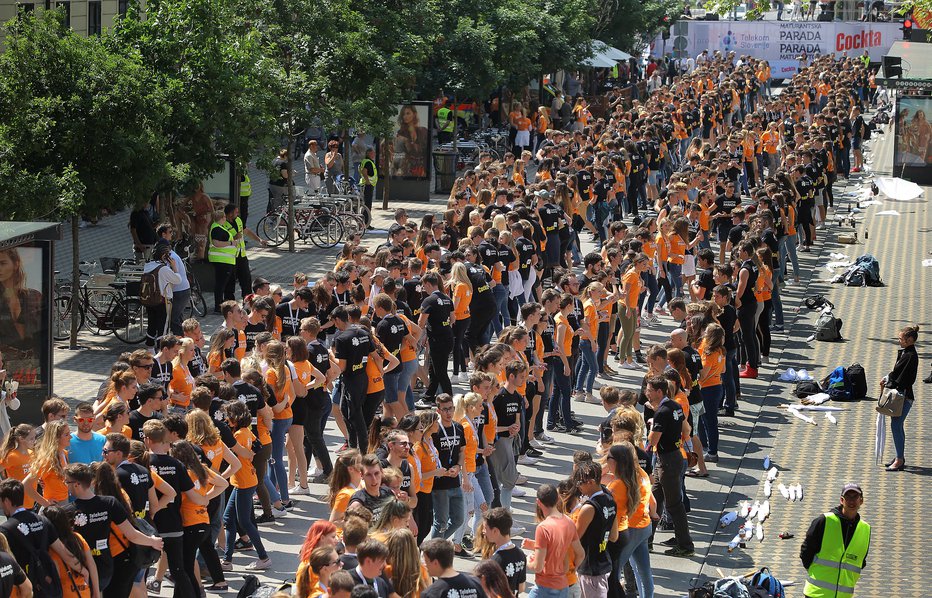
<point>689,265</point>
<point>523,138</point>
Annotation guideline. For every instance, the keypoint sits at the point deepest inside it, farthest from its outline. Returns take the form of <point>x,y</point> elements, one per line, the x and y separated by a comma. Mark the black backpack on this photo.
<point>250,585</point>
<point>150,294</point>
<point>858,381</point>
<point>39,567</point>
<point>807,388</point>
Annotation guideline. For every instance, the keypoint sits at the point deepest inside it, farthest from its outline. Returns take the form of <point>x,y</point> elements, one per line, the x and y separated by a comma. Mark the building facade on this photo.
<point>85,17</point>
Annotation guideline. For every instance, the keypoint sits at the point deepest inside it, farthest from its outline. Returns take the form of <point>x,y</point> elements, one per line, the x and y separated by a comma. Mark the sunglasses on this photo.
<point>84,420</point>
<point>144,365</point>
<point>107,451</point>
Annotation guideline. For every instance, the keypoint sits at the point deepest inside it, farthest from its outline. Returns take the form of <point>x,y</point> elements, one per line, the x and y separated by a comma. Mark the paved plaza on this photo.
<point>820,458</point>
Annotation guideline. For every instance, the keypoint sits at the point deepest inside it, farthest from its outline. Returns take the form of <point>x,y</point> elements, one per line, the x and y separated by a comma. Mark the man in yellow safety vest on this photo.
<point>369,173</point>
<point>234,225</point>
<point>445,123</point>
<point>834,551</point>
<point>221,252</point>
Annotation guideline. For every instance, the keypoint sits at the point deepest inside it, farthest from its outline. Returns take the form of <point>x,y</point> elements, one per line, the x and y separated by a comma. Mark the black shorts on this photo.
<point>299,410</point>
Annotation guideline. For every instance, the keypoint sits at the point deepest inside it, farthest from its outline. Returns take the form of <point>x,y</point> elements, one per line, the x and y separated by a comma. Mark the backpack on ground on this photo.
<point>857,380</point>
<point>250,585</point>
<point>817,302</point>
<point>730,587</point>
<point>150,294</point>
<point>807,388</point>
<point>836,385</point>
<point>828,327</point>
<point>766,581</point>
<point>865,271</point>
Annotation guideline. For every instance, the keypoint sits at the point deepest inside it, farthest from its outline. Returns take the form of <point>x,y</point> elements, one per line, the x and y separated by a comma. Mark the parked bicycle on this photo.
<point>106,304</point>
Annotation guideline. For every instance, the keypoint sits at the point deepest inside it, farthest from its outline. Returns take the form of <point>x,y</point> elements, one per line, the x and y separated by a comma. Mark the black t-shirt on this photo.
<point>291,318</point>
<point>727,319</point>
<point>482,298</point>
<point>748,297</point>
<point>514,562</point>
<point>526,251</point>
<point>438,308</point>
<point>507,407</point>
<point>668,420</point>
<point>600,190</point>
<point>136,481</point>
<point>353,345</point>
<point>705,280</point>
<point>161,374</point>
<point>92,521</point>
<point>550,214</point>
<point>414,294</point>
<point>449,441</point>
<point>145,230</point>
<point>724,205</point>
<point>383,586</point>
<point>11,575</point>
<point>251,331</point>
<point>494,210</point>
<point>136,420</point>
<point>250,396</point>
<point>583,180</point>
<point>168,520</point>
<point>319,356</point>
<point>458,586</point>
<point>197,365</point>
<point>391,330</point>
<point>25,529</point>
<point>737,233</point>
<point>374,504</point>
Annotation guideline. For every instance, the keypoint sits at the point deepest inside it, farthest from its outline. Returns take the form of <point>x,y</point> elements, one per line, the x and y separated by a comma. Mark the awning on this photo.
<point>599,61</point>
<point>604,56</point>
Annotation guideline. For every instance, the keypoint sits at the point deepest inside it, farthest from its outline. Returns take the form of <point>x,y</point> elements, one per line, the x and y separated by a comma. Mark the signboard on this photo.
<point>912,149</point>
<point>783,43</point>
<point>411,142</point>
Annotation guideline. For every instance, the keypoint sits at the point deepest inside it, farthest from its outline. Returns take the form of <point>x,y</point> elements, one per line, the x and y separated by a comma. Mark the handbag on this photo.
<point>140,557</point>
<point>890,402</point>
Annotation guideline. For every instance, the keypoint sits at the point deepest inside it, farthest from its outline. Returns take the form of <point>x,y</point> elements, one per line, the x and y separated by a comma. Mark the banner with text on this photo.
<point>780,43</point>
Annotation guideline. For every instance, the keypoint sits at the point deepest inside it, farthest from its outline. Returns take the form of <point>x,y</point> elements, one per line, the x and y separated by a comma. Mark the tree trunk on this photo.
<point>234,192</point>
<point>291,144</point>
<point>383,170</point>
<point>75,282</point>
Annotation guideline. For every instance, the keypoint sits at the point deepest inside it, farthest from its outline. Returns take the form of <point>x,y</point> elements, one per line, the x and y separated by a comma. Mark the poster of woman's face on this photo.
<point>21,322</point>
<point>411,142</point>
<point>913,145</point>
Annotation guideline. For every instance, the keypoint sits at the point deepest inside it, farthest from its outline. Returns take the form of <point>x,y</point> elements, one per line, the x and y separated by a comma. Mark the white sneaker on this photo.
<point>592,399</point>
<point>315,472</point>
<point>543,437</point>
<point>260,564</point>
<point>520,480</point>
<point>525,460</point>
<point>579,396</point>
<point>518,493</point>
<point>518,530</point>
<point>278,512</point>
<point>536,444</point>
<point>628,365</point>
<point>299,491</point>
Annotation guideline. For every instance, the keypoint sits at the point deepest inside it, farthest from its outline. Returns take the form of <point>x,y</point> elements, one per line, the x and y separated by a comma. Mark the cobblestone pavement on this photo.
<point>818,457</point>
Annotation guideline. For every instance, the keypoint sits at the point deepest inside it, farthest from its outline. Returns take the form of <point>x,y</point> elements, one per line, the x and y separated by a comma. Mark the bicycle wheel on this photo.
<point>100,304</point>
<point>352,224</point>
<point>129,319</point>
<point>266,227</point>
<point>280,228</point>
<point>198,303</point>
<point>366,215</point>
<point>62,316</point>
<point>325,231</point>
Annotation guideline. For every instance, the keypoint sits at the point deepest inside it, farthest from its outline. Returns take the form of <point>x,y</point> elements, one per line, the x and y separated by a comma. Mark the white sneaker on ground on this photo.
<point>517,530</point>
<point>518,493</point>
<point>299,491</point>
<point>536,444</point>
<point>260,564</point>
<point>278,512</point>
<point>592,399</point>
<point>526,460</point>
<point>543,437</point>
<point>520,480</point>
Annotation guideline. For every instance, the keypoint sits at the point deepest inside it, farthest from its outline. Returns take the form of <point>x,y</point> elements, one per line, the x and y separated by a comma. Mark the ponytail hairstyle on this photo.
<point>380,426</point>
<point>714,338</point>
<point>677,359</point>
<point>910,332</point>
<point>275,356</point>
<point>12,439</point>
<point>184,452</point>
<point>62,518</point>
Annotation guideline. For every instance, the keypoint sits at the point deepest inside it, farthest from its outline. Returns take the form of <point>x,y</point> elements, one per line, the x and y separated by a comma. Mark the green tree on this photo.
<point>630,24</point>
<point>81,129</point>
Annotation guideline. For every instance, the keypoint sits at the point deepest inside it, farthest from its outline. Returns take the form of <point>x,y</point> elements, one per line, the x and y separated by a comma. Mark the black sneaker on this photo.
<point>726,412</point>
<point>534,453</point>
<point>577,423</point>
<point>287,504</point>
<point>265,518</point>
<point>426,403</point>
<point>467,543</point>
<point>679,552</point>
<point>669,543</point>
<point>665,525</point>
<point>559,428</point>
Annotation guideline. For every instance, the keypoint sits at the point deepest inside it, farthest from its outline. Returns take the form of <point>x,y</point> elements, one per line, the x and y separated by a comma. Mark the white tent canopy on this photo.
<point>604,55</point>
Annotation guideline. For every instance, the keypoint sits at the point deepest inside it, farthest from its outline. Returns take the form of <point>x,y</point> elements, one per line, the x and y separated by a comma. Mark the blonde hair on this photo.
<point>464,403</point>
<point>459,275</point>
<point>275,357</point>
<point>201,429</point>
<point>185,343</point>
<point>47,455</point>
<point>404,558</point>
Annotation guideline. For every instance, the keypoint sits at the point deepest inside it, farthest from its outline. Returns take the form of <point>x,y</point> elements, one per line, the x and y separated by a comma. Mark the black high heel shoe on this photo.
<point>900,467</point>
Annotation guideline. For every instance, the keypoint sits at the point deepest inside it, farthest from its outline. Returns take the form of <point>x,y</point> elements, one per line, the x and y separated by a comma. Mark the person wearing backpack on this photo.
<point>902,378</point>
<point>30,537</point>
<point>159,277</point>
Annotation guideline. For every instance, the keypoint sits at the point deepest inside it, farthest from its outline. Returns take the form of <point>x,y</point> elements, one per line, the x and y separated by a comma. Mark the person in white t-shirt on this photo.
<point>312,168</point>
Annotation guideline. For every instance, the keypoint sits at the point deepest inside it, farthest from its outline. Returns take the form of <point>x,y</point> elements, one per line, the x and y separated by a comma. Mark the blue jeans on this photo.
<point>675,274</point>
<point>407,374</point>
<point>502,317</point>
<point>653,290</point>
<point>897,431</point>
<point>777,303</point>
<point>788,249</point>
<point>728,379</point>
<point>238,517</point>
<point>708,421</point>
<point>560,400</point>
<point>539,592</point>
<point>392,383</point>
<point>634,549</point>
<point>587,368</point>
<point>279,473</point>
<point>449,512</point>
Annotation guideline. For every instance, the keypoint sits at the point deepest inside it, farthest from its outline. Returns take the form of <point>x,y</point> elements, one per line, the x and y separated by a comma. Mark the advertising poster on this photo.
<point>912,149</point>
<point>782,43</point>
<point>411,142</point>
<point>23,325</point>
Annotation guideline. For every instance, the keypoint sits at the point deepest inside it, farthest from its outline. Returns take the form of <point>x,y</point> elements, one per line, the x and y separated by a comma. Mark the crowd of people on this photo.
<point>694,199</point>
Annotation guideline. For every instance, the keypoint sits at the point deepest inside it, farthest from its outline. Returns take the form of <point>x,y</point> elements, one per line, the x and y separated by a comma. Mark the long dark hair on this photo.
<point>184,452</point>
<point>493,577</point>
<point>106,484</point>
<point>62,518</point>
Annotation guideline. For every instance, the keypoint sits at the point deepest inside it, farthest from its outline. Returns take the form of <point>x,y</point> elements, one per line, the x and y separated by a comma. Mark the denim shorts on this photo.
<point>392,382</point>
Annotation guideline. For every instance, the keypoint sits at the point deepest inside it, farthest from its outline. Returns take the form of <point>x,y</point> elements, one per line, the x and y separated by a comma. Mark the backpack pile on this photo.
<point>864,272</point>
<point>828,327</point>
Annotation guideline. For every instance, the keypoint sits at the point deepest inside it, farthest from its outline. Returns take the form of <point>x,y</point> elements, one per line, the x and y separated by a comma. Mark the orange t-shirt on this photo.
<point>429,462</point>
<point>462,295</point>
<point>73,584</point>
<point>650,249</point>
<point>194,514</point>
<point>374,373</point>
<point>619,492</point>
<point>770,140</point>
<point>557,536</point>
<point>472,446</point>
<point>415,473</point>
<point>523,123</point>
<point>715,361</point>
<point>341,500</point>
<point>53,485</point>
<point>407,352</point>
<point>561,321</point>
<point>677,253</point>
<point>704,216</point>
<point>214,454</point>
<point>303,368</point>
<point>16,466</point>
<point>125,431</point>
<point>641,516</point>
<point>632,278</point>
<point>663,247</point>
<point>790,219</point>
<point>281,394</point>
<point>592,318</point>
<point>182,382</point>
<point>245,476</point>
<point>761,293</point>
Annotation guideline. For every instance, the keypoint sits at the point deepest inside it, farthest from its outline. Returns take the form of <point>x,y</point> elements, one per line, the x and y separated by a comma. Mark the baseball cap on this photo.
<point>380,272</point>
<point>849,486</point>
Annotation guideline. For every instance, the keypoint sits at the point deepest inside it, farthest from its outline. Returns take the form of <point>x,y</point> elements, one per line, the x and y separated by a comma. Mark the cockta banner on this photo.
<point>782,44</point>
